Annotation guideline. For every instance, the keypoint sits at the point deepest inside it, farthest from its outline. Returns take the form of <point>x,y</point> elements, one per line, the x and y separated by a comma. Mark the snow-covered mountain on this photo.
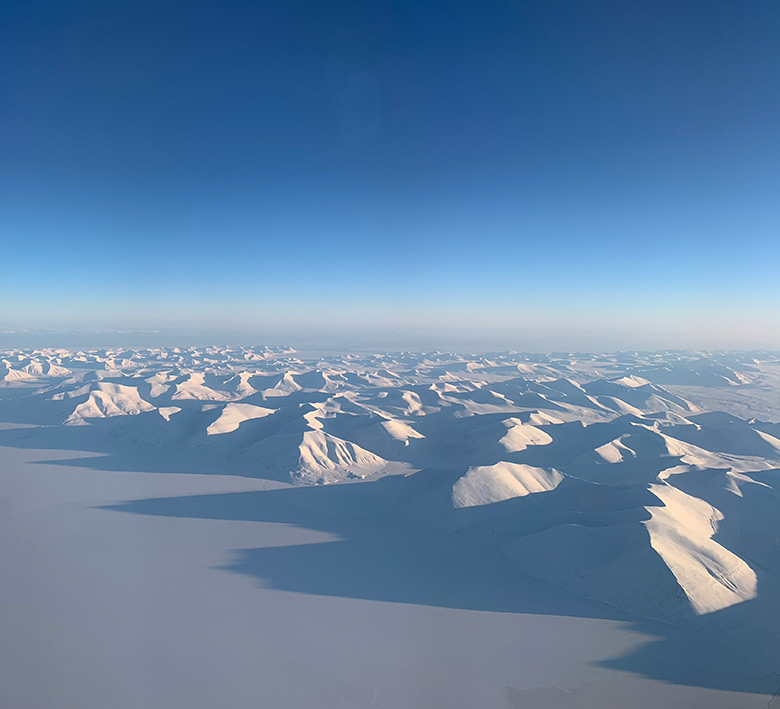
<point>632,479</point>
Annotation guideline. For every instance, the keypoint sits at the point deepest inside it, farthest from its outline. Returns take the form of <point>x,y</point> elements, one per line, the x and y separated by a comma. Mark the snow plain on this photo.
<point>244,527</point>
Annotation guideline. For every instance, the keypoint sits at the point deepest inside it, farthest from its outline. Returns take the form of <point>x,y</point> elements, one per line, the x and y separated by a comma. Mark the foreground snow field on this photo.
<point>244,527</point>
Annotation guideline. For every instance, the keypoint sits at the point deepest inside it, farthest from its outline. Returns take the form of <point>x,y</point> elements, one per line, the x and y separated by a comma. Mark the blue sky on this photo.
<point>600,174</point>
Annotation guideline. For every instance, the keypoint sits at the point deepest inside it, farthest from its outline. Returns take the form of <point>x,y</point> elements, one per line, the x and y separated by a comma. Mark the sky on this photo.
<point>544,175</point>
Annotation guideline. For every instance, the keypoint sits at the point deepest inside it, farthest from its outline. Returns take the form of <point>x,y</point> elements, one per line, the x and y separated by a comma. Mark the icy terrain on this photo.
<point>256,527</point>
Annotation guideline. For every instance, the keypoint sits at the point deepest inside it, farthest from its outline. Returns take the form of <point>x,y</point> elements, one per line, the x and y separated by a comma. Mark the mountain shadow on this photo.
<point>382,552</point>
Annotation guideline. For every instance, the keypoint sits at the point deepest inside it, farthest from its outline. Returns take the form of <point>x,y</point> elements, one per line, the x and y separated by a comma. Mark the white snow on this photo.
<point>391,484</point>
<point>233,414</point>
<point>520,435</point>
<point>483,485</point>
<point>400,431</point>
<point>681,532</point>
<point>167,411</point>
<point>193,387</point>
<point>615,451</point>
<point>326,458</point>
<point>106,399</point>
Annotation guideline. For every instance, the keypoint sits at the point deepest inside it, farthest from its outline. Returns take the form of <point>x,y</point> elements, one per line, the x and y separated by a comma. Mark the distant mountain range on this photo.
<point>629,478</point>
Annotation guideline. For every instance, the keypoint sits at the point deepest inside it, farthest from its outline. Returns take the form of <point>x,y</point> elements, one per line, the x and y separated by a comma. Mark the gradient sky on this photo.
<point>576,174</point>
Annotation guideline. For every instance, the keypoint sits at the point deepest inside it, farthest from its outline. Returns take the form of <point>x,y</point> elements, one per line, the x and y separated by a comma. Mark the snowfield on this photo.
<point>244,527</point>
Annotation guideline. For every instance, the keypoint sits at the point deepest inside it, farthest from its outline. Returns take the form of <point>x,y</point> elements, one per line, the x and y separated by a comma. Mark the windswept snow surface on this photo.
<point>256,527</point>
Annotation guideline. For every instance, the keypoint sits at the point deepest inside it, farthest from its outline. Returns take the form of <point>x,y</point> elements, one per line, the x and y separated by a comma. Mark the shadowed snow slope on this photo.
<point>593,472</point>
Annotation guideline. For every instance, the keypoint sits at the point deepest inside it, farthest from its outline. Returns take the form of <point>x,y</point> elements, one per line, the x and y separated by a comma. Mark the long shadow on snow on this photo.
<point>387,552</point>
<point>378,555</point>
<point>142,443</point>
